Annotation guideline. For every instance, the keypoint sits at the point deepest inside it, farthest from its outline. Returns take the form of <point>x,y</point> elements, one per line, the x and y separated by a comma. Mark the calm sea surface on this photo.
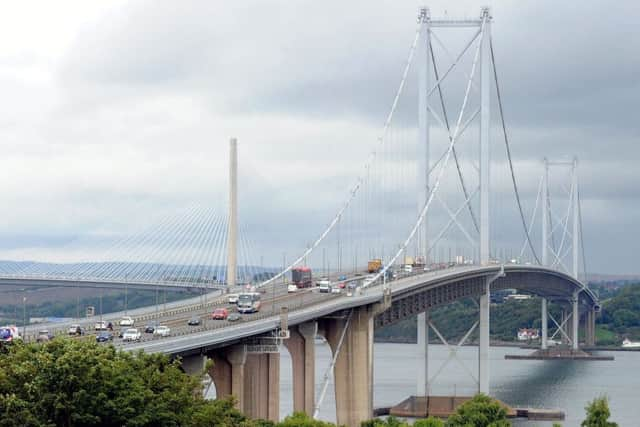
<point>565,385</point>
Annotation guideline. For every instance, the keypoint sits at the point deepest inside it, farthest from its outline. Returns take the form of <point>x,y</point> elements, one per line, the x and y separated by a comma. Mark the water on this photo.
<point>566,385</point>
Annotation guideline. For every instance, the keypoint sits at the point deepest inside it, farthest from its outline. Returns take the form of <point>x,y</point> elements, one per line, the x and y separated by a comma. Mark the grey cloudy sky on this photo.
<point>112,110</point>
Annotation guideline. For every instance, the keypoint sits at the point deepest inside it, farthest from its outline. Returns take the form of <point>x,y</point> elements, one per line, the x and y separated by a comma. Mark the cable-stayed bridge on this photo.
<point>438,202</point>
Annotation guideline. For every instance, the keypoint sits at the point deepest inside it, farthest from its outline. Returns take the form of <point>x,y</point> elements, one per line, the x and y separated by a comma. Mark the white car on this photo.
<point>100,326</point>
<point>75,329</point>
<point>126,321</point>
<point>292,288</point>
<point>232,298</point>
<point>335,290</point>
<point>162,331</point>
<point>131,334</point>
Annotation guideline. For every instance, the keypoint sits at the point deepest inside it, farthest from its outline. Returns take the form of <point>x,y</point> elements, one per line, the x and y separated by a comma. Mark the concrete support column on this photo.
<point>221,375</point>
<point>544,325</point>
<point>483,342</point>
<point>593,326</point>
<point>194,364</point>
<point>237,357</point>
<point>423,354</point>
<point>575,321</point>
<point>302,348</point>
<point>353,370</point>
<point>589,328</point>
<point>262,386</point>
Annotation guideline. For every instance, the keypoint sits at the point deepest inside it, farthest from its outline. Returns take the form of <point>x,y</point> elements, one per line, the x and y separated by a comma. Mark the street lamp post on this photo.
<point>24,315</point>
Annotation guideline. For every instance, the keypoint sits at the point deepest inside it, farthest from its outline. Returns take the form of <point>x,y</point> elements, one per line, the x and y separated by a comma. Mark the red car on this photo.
<point>220,314</point>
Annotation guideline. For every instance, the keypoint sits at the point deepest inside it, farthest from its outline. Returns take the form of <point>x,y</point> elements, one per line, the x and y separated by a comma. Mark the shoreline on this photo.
<point>506,344</point>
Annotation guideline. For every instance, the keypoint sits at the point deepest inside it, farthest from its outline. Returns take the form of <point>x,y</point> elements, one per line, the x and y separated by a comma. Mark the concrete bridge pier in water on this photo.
<point>253,378</point>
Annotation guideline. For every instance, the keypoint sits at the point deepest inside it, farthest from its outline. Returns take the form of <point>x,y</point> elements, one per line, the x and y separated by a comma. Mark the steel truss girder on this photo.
<point>436,295</point>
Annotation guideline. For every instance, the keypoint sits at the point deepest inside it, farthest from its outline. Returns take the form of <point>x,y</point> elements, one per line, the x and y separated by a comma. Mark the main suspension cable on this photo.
<point>506,142</point>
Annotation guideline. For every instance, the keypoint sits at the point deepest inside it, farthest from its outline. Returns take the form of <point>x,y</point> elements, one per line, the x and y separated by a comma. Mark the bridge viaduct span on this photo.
<point>251,373</point>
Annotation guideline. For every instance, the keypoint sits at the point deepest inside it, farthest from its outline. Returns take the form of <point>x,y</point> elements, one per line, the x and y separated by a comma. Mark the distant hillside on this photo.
<point>620,317</point>
<point>613,278</point>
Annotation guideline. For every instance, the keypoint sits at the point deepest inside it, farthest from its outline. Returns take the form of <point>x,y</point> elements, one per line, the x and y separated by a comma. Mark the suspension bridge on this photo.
<point>423,198</point>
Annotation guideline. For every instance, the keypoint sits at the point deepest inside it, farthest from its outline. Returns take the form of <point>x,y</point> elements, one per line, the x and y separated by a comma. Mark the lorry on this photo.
<point>408,260</point>
<point>302,277</point>
<point>374,265</point>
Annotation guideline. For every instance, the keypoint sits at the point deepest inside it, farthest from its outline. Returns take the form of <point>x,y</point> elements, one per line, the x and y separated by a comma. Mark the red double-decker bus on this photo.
<point>301,277</point>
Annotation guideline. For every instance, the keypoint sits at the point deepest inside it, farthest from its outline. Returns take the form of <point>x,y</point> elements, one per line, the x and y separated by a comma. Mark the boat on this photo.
<point>630,344</point>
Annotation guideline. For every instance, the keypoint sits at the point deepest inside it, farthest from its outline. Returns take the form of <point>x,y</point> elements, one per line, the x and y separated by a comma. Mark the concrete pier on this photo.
<point>262,386</point>
<point>252,378</point>
<point>302,348</point>
<point>353,371</point>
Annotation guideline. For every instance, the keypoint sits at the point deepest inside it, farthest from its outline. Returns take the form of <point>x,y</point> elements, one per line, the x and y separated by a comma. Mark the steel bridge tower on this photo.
<point>426,116</point>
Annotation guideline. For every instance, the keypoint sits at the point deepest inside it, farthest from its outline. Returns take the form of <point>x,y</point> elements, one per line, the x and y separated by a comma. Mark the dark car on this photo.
<point>234,317</point>
<point>104,336</point>
<point>194,321</point>
<point>150,328</point>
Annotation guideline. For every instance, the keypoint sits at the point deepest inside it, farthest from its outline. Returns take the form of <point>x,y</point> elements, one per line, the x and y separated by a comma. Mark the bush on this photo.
<point>598,414</point>
<point>481,411</point>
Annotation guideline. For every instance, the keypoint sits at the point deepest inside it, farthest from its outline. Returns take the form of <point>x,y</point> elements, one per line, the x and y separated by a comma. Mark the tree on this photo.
<point>481,411</point>
<point>598,414</point>
<point>221,413</point>
<point>300,419</point>
<point>68,382</point>
<point>429,422</point>
<point>390,421</point>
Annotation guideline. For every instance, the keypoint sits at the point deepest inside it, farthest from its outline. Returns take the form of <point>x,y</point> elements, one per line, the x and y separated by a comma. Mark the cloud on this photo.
<point>113,112</point>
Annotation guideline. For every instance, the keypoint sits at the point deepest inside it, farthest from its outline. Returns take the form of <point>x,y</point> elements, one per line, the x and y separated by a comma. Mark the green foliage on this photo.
<point>620,318</point>
<point>79,383</point>
<point>598,414</point>
<point>221,413</point>
<point>299,419</point>
<point>429,422</point>
<point>481,411</point>
<point>506,319</point>
<point>621,314</point>
<point>390,421</point>
<point>604,336</point>
<point>12,313</point>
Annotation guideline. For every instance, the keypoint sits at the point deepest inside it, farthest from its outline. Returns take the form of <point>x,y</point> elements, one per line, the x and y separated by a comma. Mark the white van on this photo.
<point>324,285</point>
<point>408,268</point>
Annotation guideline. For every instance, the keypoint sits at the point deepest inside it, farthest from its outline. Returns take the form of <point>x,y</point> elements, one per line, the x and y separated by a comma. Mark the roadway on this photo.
<point>303,306</point>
